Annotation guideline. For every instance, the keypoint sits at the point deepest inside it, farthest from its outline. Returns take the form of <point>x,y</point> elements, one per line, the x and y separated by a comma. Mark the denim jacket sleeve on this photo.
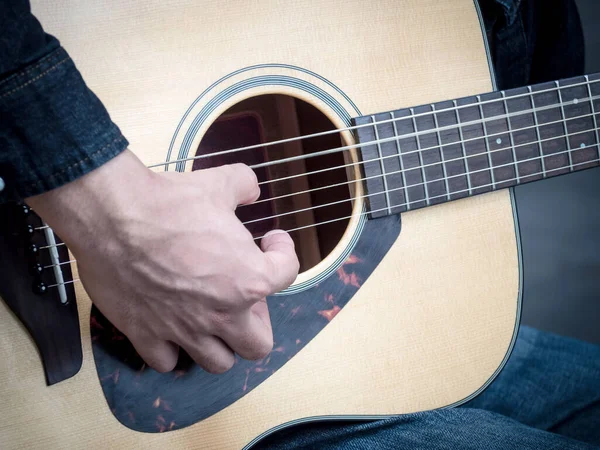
<point>53,129</point>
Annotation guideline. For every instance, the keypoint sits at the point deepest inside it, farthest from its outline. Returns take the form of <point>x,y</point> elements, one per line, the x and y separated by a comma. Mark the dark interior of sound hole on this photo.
<point>269,118</point>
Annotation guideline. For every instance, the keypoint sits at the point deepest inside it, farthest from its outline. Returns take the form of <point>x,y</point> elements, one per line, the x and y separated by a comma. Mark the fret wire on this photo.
<point>420,155</point>
<point>537,131</point>
<point>513,179</point>
<point>464,151</point>
<point>435,121</point>
<point>593,114</point>
<point>562,112</point>
<point>399,151</point>
<point>404,204</point>
<point>382,165</point>
<point>412,185</point>
<point>510,136</point>
<point>498,150</point>
<point>487,144</point>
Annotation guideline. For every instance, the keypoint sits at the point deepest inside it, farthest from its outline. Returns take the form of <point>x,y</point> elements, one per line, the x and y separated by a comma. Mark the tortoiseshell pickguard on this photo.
<point>145,400</point>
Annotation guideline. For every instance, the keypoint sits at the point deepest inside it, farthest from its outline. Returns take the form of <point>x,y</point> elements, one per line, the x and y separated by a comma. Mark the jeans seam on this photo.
<point>41,75</point>
<point>78,163</point>
<point>55,54</point>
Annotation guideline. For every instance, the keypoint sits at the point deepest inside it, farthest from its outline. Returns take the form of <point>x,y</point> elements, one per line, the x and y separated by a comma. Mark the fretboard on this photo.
<point>430,154</point>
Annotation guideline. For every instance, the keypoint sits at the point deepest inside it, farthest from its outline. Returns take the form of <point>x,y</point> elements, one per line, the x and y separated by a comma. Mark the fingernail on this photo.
<point>274,232</point>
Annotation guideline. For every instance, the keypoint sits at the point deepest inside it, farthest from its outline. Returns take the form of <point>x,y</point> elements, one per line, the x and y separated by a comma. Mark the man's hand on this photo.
<point>166,260</point>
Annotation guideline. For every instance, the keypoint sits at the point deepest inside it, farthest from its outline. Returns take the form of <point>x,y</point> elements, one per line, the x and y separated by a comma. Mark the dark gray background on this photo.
<point>560,234</point>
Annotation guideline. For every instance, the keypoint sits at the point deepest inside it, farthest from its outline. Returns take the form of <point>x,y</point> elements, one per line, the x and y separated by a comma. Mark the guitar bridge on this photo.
<point>36,283</point>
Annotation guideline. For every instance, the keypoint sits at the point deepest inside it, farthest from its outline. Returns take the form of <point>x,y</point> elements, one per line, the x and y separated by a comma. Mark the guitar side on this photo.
<point>428,329</point>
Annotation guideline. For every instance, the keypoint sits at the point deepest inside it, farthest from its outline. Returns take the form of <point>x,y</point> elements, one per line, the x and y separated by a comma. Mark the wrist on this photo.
<point>97,201</point>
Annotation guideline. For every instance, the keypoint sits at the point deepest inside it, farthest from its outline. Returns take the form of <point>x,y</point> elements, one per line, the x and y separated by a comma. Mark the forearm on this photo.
<point>53,129</point>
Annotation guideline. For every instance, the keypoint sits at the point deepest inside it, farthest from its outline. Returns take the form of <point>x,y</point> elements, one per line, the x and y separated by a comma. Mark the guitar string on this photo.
<point>415,134</point>
<point>397,155</point>
<point>63,284</point>
<point>514,163</point>
<point>424,166</point>
<point>394,189</point>
<point>60,264</point>
<point>354,127</point>
<point>439,146</point>
<point>492,185</point>
<point>396,138</point>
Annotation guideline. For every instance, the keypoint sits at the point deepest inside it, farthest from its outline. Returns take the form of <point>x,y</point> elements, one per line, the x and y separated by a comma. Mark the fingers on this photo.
<point>281,258</point>
<point>211,353</point>
<point>250,335</point>
<point>160,355</point>
<point>239,184</point>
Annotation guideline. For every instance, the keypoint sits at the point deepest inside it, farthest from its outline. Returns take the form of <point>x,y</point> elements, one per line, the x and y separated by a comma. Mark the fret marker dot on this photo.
<point>575,101</point>
<point>498,141</point>
<point>582,145</point>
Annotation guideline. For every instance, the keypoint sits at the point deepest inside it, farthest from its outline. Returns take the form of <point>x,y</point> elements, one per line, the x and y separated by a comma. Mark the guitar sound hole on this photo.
<point>269,118</point>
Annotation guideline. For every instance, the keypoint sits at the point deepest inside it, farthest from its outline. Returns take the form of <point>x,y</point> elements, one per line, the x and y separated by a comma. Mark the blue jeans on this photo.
<point>547,397</point>
<point>533,41</point>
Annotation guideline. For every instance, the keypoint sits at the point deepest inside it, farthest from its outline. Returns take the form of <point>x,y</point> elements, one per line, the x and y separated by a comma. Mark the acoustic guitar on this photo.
<point>376,146</point>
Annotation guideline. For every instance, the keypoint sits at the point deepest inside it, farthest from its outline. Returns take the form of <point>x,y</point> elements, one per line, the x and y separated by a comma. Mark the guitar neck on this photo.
<point>431,154</point>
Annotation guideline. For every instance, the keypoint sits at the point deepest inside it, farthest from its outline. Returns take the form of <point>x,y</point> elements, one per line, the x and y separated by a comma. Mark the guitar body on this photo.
<point>433,318</point>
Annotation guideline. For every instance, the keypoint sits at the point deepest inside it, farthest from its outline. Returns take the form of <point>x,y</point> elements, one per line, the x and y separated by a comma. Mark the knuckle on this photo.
<point>294,269</point>
<point>257,289</point>
<point>221,320</point>
<point>289,271</point>
<point>249,176</point>
<point>227,170</point>
<point>254,344</point>
<point>290,279</point>
<point>186,331</point>
<point>217,365</point>
<point>220,367</point>
<point>221,178</point>
<point>261,348</point>
<point>160,364</point>
<point>212,175</point>
<point>245,171</point>
<point>231,170</point>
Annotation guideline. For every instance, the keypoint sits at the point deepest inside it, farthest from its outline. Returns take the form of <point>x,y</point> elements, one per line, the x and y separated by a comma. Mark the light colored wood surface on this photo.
<point>429,327</point>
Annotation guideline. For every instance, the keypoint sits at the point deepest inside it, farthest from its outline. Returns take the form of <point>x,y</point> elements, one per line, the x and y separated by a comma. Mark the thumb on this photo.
<point>282,261</point>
